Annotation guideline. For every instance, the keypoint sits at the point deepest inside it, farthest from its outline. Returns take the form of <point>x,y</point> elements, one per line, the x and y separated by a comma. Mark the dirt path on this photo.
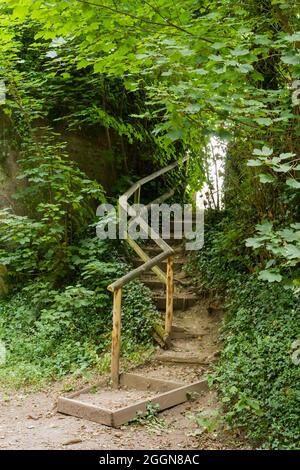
<point>30,420</point>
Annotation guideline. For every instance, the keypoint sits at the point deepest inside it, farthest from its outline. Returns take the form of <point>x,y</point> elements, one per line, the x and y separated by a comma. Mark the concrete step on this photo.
<point>180,301</point>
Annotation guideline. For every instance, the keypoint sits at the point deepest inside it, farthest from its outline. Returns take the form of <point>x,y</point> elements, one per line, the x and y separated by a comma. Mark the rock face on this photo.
<point>93,157</point>
<point>90,153</point>
<point>8,166</point>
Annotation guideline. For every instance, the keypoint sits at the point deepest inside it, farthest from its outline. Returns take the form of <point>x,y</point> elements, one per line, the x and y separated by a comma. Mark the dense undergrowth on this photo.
<point>56,316</point>
<point>256,376</point>
<point>50,332</point>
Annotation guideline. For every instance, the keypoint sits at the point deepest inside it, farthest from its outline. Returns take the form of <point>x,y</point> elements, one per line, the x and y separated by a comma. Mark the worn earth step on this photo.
<point>185,335</point>
<point>181,358</point>
<point>153,284</point>
<point>180,302</point>
<point>179,278</point>
<point>155,250</point>
<point>175,243</point>
<point>178,264</point>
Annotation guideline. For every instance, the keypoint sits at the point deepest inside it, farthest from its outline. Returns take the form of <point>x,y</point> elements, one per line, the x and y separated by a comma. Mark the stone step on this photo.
<point>180,301</point>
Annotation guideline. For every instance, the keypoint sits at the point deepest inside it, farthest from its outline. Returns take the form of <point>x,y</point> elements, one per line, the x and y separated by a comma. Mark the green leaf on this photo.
<point>270,276</point>
<point>263,40</point>
<point>201,72</point>
<point>20,11</point>
<point>253,243</point>
<point>283,156</point>
<point>264,121</point>
<point>219,45</point>
<point>293,183</point>
<point>98,67</point>
<point>265,227</point>
<point>266,178</point>
<point>291,59</point>
<point>292,251</point>
<point>284,168</point>
<point>265,151</point>
<point>245,68</point>
<point>175,134</point>
<point>239,52</point>
<point>254,163</point>
<point>293,37</point>
<point>192,108</point>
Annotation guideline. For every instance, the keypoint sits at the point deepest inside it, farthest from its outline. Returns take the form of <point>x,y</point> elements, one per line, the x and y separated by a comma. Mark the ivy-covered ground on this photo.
<point>257,377</point>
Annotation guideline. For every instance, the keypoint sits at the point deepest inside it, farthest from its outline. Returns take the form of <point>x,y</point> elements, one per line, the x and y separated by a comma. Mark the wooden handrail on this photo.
<point>138,271</point>
<point>153,176</point>
<point>167,253</point>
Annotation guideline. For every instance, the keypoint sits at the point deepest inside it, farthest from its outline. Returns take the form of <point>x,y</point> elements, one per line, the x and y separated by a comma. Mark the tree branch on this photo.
<point>144,20</point>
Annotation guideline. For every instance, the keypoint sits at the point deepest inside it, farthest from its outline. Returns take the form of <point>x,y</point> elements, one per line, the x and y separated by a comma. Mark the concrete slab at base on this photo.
<point>172,394</point>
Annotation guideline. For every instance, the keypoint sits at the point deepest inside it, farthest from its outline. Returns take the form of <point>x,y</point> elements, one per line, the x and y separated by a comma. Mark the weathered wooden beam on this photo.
<point>70,406</point>
<point>180,359</point>
<point>169,296</point>
<point>116,338</point>
<point>164,401</point>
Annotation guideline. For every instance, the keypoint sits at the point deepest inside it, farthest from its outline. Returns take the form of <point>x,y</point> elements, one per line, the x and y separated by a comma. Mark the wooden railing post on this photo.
<point>169,296</point>
<point>137,196</point>
<point>116,338</point>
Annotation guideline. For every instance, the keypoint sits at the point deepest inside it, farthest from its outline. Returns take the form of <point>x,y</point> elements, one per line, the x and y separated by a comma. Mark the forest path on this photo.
<point>29,420</point>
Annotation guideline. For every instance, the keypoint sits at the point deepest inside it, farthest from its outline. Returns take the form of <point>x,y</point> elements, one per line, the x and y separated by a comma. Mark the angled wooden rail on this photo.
<point>153,264</point>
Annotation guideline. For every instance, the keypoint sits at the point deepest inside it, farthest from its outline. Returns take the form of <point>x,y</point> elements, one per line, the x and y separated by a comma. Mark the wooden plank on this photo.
<point>116,338</point>
<point>169,296</point>
<point>79,409</point>
<point>165,400</point>
<point>140,382</point>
